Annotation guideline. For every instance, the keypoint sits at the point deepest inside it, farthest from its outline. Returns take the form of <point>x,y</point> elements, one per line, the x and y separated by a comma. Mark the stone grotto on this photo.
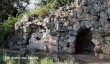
<point>82,27</point>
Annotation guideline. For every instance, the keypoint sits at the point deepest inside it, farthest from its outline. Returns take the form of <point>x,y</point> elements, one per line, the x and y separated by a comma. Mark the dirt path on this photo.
<point>91,58</point>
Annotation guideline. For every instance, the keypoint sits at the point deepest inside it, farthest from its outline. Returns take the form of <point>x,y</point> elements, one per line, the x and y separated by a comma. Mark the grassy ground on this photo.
<point>32,58</point>
<point>10,58</point>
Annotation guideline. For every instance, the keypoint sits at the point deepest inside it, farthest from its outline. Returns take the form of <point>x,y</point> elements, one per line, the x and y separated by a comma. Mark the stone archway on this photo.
<point>84,45</point>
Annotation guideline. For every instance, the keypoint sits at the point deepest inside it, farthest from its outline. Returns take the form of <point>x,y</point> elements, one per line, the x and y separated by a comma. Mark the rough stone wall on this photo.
<point>59,29</point>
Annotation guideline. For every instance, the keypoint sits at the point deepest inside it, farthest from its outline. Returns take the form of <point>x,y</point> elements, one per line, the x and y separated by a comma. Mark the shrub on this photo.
<point>7,27</point>
<point>9,24</point>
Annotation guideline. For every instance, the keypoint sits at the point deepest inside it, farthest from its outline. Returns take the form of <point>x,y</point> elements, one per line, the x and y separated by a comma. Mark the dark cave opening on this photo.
<point>84,45</point>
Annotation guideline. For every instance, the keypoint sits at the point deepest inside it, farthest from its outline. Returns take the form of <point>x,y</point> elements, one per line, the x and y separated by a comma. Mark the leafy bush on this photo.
<point>7,27</point>
<point>9,24</point>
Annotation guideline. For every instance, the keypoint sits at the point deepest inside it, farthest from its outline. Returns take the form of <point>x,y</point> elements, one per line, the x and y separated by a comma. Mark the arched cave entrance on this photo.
<point>84,45</point>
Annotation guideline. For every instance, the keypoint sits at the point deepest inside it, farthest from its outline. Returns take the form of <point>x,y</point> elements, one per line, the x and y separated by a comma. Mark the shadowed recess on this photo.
<point>84,45</point>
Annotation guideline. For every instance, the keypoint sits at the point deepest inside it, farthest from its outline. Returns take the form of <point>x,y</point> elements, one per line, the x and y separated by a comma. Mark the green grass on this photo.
<point>6,58</point>
<point>35,59</point>
<point>41,11</point>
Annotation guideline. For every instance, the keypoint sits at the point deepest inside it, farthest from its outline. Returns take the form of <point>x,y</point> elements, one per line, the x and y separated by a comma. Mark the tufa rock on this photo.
<point>27,29</point>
